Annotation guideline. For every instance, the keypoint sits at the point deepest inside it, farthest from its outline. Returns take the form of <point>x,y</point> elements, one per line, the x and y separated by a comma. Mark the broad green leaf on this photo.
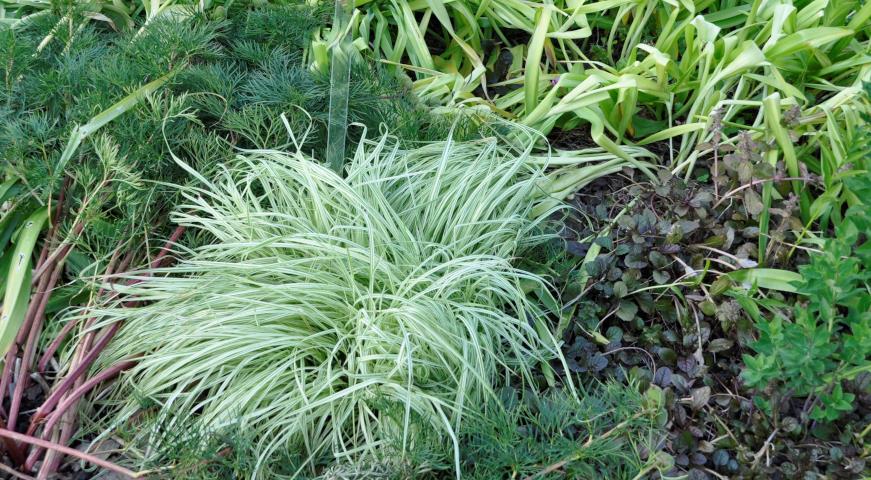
<point>18,279</point>
<point>533,58</point>
<point>7,190</point>
<point>673,132</point>
<point>806,39</point>
<point>770,278</point>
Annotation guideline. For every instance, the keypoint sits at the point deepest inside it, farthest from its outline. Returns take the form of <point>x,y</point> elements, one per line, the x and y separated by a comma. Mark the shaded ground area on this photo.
<point>648,308</point>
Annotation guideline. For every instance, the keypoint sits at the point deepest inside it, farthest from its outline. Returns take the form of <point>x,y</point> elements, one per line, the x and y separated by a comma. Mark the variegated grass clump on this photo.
<point>323,305</point>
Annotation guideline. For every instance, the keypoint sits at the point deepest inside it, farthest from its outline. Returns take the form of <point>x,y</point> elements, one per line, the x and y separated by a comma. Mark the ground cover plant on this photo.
<point>693,279</point>
<point>92,114</point>
<point>653,266</point>
<point>327,312</point>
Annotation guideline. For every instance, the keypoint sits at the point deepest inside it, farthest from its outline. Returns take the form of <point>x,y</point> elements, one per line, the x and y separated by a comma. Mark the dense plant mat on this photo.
<point>188,285</point>
<point>94,113</point>
<point>336,320</point>
<point>765,370</point>
<point>694,277</point>
<point>633,72</point>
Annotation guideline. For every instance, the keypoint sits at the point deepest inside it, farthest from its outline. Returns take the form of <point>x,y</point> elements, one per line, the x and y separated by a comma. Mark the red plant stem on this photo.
<point>122,267</point>
<point>55,220</point>
<point>78,368</point>
<point>61,394</point>
<point>52,458</point>
<point>30,348</point>
<point>75,373</point>
<point>68,327</point>
<point>60,253</point>
<point>176,234</point>
<point>15,452</point>
<point>71,400</point>
<point>20,437</point>
<point>77,393</point>
<point>42,256</point>
<point>7,370</point>
<point>12,354</point>
<point>85,344</point>
<point>42,365</point>
<point>35,300</point>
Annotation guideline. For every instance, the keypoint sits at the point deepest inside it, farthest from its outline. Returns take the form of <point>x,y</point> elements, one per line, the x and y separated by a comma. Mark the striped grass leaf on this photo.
<point>326,311</point>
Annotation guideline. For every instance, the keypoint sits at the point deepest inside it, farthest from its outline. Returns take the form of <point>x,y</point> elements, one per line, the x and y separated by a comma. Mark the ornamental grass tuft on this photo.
<point>325,316</point>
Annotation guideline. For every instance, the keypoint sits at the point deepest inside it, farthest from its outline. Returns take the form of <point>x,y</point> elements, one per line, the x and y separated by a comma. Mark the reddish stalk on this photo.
<point>55,344</point>
<point>61,396</point>
<point>20,437</point>
<point>68,418</point>
<point>176,234</point>
<point>55,220</point>
<point>35,300</point>
<point>42,256</point>
<point>122,267</point>
<point>16,453</point>
<point>75,373</point>
<point>12,354</point>
<point>52,459</point>
<point>7,371</point>
<point>62,437</point>
<point>76,368</point>
<point>70,401</point>
<point>46,357</point>
<point>85,344</point>
<point>60,253</point>
<point>41,298</point>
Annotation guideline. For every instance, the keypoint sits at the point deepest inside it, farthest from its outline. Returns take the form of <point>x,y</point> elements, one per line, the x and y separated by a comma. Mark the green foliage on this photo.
<point>827,340</point>
<point>194,451</point>
<point>652,272</point>
<point>231,81</point>
<point>324,311</point>
<point>600,434</point>
<point>636,71</point>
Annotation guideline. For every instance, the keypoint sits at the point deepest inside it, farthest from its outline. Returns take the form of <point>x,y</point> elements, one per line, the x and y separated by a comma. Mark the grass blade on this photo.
<point>770,278</point>
<point>81,132</point>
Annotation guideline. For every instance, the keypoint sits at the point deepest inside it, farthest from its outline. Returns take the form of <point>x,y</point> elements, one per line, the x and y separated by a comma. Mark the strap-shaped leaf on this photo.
<point>771,278</point>
<point>81,132</point>
<point>17,278</point>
